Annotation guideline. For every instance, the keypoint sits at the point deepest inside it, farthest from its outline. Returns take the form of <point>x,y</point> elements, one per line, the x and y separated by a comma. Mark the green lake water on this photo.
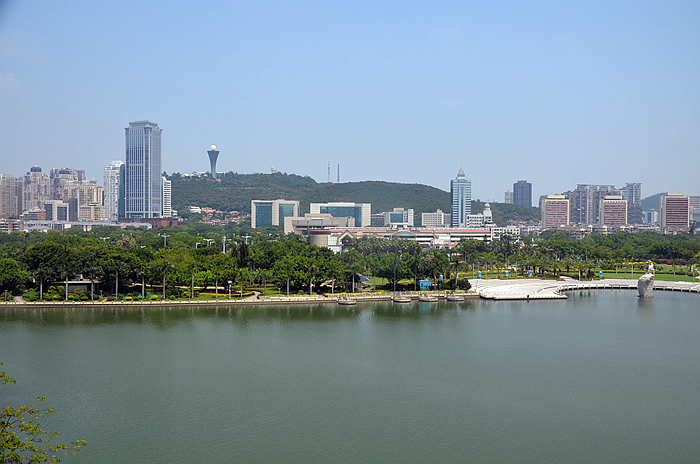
<point>601,377</point>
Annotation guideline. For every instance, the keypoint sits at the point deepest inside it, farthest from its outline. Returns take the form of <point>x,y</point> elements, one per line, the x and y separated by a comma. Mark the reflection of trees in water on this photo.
<point>163,317</point>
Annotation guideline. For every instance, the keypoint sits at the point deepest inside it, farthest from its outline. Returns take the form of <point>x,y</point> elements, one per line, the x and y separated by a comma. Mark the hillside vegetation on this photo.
<point>235,192</point>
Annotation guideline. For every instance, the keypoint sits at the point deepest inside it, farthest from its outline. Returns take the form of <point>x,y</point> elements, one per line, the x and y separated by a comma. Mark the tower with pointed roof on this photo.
<point>461,190</point>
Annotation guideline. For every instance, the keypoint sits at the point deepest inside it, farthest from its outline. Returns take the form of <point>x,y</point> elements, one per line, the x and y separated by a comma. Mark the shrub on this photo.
<point>30,295</point>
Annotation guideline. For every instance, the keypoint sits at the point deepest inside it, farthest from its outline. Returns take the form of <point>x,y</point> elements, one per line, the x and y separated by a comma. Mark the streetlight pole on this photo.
<point>196,245</point>
<point>229,289</point>
<point>208,240</point>
<point>165,239</point>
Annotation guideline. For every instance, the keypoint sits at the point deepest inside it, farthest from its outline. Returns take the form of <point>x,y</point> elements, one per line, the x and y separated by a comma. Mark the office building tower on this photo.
<point>272,213</point>
<point>111,190</point>
<point>461,191</point>
<point>213,155</point>
<point>522,193</point>
<point>360,212</point>
<point>35,190</point>
<point>9,205</point>
<point>508,198</point>
<point>613,211</point>
<point>167,198</point>
<point>554,210</point>
<point>435,220</point>
<point>675,213</point>
<point>143,190</point>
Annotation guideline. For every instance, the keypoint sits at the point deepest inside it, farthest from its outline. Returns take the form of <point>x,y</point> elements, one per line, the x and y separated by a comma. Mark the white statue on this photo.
<point>650,269</point>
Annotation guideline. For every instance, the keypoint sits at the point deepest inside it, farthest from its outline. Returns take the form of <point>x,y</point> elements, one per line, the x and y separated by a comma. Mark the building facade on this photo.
<point>167,198</point>
<point>10,201</point>
<point>613,211</point>
<point>554,210</point>
<point>361,212</point>
<point>111,190</point>
<point>461,192</point>
<point>675,213</point>
<point>59,177</point>
<point>143,190</point>
<point>272,213</point>
<point>508,197</point>
<point>35,189</point>
<point>399,217</point>
<point>437,220</point>
<point>522,193</point>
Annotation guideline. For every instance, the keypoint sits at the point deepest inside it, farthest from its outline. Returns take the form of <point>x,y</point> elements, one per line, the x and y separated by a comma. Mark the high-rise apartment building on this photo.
<point>508,197</point>
<point>35,189</point>
<point>613,211</point>
<point>675,212</point>
<point>167,198</point>
<point>633,194</point>
<point>59,177</point>
<point>143,189</point>
<point>554,210</point>
<point>584,202</point>
<point>522,193</point>
<point>361,212</point>
<point>272,213</point>
<point>461,192</point>
<point>85,198</point>
<point>10,196</point>
<point>111,190</point>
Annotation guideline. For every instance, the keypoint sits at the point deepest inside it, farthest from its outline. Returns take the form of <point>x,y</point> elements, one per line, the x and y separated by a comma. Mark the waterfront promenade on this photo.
<point>538,289</point>
<point>492,289</point>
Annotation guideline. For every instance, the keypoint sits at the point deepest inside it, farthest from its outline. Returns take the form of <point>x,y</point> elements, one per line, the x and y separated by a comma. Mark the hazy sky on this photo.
<point>557,93</point>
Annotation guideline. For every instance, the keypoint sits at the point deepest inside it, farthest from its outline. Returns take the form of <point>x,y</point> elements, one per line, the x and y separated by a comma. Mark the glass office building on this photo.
<point>272,212</point>
<point>461,190</point>
<point>143,190</point>
<point>360,212</point>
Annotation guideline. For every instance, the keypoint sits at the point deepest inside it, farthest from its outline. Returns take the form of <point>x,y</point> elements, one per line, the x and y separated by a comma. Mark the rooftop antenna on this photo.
<point>338,181</point>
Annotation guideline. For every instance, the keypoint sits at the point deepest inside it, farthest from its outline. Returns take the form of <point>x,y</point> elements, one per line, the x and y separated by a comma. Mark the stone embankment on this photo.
<point>537,289</point>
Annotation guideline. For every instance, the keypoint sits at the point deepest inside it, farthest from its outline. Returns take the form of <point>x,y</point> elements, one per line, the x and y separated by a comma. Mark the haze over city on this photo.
<point>554,93</point>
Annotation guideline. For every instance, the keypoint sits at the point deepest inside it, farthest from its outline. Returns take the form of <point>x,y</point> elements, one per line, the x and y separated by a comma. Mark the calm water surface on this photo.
<point>601,377</point>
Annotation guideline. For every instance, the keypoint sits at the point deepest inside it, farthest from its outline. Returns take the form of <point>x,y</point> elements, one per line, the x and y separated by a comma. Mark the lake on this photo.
<point>600,377</point>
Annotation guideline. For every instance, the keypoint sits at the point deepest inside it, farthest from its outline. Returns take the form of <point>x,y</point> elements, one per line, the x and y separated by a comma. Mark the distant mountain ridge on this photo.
<point>235,192</point>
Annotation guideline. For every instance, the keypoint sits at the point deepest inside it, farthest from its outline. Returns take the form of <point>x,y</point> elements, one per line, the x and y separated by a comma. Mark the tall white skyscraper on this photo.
<point>167,198</point>
<point>111,190</point>
<point>143,187</point>
<point>461,190</point>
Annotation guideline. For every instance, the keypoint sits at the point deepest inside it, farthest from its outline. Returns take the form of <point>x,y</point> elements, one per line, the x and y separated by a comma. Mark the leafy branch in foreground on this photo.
<point>21,438</point>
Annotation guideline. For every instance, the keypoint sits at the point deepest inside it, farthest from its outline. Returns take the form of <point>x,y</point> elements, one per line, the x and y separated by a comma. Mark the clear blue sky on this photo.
<point>557,93</point>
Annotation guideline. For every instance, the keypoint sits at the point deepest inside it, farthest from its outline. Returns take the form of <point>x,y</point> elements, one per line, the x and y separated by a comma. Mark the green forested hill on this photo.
<point>235,192</point>
<point>652,202</point>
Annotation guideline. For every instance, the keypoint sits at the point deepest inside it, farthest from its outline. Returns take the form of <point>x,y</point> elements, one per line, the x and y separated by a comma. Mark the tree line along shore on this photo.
<point>189,263</point>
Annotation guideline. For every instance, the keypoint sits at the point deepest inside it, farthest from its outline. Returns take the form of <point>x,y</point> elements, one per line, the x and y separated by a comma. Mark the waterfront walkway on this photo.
<point>492,289</point>
<point>537,289</point>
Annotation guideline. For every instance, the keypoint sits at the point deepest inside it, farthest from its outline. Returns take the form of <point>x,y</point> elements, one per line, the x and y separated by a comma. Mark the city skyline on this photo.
<point>557,94</point>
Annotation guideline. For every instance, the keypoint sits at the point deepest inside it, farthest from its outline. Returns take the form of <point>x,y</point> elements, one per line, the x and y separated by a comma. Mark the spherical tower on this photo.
<point>213,155</point>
